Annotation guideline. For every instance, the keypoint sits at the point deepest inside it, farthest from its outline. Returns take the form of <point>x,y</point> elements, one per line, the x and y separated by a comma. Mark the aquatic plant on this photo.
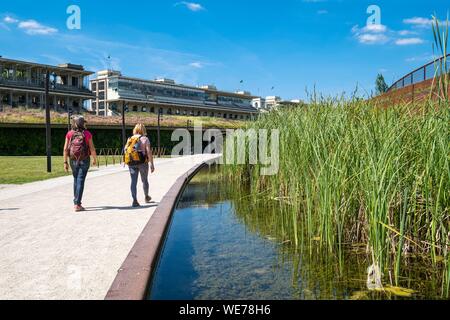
<point>353,173</point>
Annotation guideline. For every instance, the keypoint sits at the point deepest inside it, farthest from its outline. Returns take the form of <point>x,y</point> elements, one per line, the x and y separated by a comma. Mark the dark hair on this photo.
<point>78,124</point>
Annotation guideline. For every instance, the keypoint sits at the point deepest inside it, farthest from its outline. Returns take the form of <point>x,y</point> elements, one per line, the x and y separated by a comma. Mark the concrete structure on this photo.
<point>272,102</point>
<point>259,104</point>
<point>50,252</point>
<point>23,84</point>
<point>163,95</point>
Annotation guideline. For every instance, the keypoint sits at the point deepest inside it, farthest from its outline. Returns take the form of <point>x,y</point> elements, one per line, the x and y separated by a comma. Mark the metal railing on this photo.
<point>41,85</point>
<point>114,156</point>
<point>22,82</point>
<point>109,156</point>
<point>426,72</point>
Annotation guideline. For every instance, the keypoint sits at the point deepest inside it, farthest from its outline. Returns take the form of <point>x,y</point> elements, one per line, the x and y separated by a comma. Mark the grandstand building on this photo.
<point>22,84</point>
<point>114,91</point>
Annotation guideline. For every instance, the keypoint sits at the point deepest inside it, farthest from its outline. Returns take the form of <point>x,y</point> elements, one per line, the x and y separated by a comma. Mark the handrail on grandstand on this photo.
<point>426,72</point>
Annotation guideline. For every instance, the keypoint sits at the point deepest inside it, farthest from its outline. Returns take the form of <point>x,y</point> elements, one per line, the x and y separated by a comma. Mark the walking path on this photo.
<point>49,252</point>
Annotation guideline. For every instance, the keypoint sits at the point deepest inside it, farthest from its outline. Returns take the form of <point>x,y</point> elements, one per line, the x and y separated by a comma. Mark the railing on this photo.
<point>41,85</point>
<point>19,82</point>
<point>109,156</point>
<point>70,88</point>
<point>113,156</point>
<point>426,72</point>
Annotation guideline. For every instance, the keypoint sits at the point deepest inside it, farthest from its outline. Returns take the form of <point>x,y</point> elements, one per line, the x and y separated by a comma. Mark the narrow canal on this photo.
<point>220,247</point>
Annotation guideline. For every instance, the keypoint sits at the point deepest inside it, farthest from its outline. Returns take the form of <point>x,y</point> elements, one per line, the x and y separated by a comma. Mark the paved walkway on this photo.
<point>49,252</point>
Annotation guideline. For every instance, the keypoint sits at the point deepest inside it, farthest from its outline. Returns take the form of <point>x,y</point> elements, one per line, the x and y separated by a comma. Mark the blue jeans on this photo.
<point>79,170</point>
<point>134,173</point>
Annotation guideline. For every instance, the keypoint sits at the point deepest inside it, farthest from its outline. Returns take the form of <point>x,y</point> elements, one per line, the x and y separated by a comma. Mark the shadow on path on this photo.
<point>125,208</point>
<point>9,209</point>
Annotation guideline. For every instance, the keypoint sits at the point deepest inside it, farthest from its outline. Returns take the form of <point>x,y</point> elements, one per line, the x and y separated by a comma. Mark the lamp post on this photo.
<point>48,131</point>
<point>124,134</point>
<point>69,116</point>
<point>160,112</point>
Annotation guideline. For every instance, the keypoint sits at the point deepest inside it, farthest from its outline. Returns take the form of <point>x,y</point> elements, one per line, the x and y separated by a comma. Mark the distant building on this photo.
<point>259,104</point>
<point>272,102</point>
<point>23,84</point>
<point>114,90</point>
<point>294,102</point>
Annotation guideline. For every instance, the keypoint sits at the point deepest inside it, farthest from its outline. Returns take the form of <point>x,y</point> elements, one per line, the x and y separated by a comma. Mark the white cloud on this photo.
<point>196,65</point>
<point>375,28</point>
<point>408,41</point>
<point>418,22</point>
<point>191,5</point>
<point>371,34</point>
<point>9,19</point>
<point>367,38</point>
<point>32,27</point>
<point>406,32</point>
<point>381,34</point>
<point>423,58</point>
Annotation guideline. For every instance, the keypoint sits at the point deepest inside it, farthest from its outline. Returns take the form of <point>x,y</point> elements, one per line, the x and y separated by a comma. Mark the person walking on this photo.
<point>139,158</point>
<point>78,149</point>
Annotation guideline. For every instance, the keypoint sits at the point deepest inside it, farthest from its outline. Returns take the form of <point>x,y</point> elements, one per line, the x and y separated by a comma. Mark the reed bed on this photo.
<point>355,174</point>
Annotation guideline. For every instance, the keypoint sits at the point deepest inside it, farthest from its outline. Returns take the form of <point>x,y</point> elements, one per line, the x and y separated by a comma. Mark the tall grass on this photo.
<point>351,173</point>
<point>354,173</point>
<point>442,68</point>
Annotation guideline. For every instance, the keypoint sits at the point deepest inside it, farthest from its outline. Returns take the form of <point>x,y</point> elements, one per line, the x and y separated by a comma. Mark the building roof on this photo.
<point>231,107</point>
<point>171,83</point>
<point>62,67</point>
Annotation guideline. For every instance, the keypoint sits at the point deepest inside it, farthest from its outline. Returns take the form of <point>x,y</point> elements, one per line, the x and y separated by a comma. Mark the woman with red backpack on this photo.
<point>79,148</point>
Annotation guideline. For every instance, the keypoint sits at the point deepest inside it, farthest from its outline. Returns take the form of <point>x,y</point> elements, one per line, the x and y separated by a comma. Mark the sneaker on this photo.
<point>135,204</point>
<point>148,199</point>
<point>79,209</point>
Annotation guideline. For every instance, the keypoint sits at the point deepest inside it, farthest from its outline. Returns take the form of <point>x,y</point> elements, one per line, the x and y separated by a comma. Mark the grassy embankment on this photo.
<point>34,116</point>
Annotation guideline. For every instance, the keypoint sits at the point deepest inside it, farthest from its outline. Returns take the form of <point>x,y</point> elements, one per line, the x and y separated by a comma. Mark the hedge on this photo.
<point>31,141</point>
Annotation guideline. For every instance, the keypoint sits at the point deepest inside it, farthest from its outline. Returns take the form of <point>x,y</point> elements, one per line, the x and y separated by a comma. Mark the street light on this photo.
<point>160,118</point>
<point>48,131</point>
<point>69,116</point>
<point>124,134</point>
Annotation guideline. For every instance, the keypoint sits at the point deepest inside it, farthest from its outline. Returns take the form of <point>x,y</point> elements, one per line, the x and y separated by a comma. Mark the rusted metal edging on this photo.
<point>132,280</point>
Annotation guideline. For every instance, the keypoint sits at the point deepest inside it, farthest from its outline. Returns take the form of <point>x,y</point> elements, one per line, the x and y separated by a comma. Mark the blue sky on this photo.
<point>287,45</point>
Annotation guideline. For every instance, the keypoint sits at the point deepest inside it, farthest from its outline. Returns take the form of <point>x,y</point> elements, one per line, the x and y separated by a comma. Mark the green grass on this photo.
<point>36,116</point>
<point>20,170</point>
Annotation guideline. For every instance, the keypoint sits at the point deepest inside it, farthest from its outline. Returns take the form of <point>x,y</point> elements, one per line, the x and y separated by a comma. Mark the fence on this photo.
<point>113,156</point>
<point>426,72</point>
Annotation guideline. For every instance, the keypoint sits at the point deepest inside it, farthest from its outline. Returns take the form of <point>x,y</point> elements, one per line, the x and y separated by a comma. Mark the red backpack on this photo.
<point>78,147</point>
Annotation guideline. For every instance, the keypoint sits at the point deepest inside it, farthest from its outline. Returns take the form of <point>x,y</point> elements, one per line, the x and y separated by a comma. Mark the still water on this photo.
<point>215,251</point>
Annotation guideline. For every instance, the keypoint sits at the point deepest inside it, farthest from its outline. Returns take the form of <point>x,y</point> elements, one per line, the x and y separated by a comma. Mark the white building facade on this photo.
<point>114,91</point>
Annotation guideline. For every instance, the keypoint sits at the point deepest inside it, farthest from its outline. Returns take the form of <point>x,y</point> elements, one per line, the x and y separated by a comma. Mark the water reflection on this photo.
<point>224,245</point>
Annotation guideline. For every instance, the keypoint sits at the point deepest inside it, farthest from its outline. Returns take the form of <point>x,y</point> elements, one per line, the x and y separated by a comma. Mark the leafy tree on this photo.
<point>380,84</point>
